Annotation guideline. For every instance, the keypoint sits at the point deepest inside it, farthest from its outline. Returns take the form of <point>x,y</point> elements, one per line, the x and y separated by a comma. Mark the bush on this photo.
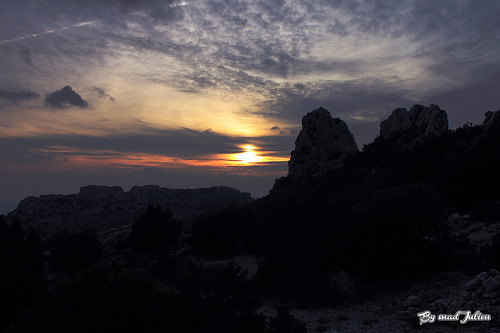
<point>390,231</point>
<point>492,254</point>
<point>156,230</point>
<point>217,299</point>
<point>21,272</point>
<point>189,298</point>
<point>284,322</point>
<point>99,299</point>
<point>231,231</point>
<point>71,252</point>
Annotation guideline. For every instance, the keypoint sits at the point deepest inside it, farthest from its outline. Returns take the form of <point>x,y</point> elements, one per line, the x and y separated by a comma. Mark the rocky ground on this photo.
<point>395,311</point>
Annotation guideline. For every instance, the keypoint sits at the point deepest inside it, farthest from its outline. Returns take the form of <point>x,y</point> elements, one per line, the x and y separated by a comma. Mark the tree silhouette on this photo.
<point>21,271</point>
<point>156,230</point>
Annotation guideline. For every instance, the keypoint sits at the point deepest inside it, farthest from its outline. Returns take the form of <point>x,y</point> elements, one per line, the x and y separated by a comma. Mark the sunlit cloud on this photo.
<point>70,158</point>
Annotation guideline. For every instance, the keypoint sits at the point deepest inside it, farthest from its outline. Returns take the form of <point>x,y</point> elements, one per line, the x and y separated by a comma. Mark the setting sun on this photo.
<point>252,155</point>
<point>249,156</point>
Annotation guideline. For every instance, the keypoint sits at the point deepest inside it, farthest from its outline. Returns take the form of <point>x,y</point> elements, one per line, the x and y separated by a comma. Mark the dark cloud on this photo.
<point>103,94</point>
<point>290,100</point>
<point>26,54</point>
<point>14,96</point>
<point>181,143</point>
<point>65,97</point>
<point>363,104</point>
<point>275,128</point>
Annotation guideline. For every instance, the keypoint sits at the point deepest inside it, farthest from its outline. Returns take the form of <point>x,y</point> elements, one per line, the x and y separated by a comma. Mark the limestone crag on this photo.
<point>104,207</point>
<point>321,145</point>
<point>187,202</point>
<point>97,194</point>
<point>421,120</point>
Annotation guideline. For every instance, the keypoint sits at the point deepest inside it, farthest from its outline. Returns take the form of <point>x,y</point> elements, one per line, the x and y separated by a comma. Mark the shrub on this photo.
<point>231,231</point>
<point>389,232</point>
<point>21,272</point>
<point>156,230</point>
<point>98,299</point>
<point>492,254</point>
<point>284,322</point>
<point>71,252</point>
<point>190,299</point>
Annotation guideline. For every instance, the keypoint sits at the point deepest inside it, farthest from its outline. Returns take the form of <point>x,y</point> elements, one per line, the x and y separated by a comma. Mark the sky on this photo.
<point>197,93</point>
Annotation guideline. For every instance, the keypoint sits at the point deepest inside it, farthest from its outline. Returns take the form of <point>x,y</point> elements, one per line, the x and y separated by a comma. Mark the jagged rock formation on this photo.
<point>321,145</point>
<point>420,120</point>
<point>102,207</point>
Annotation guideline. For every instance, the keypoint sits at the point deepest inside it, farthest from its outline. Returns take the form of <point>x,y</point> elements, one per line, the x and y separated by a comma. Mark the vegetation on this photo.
<point>21,272</point>
<point>156,230</point>
<point>72,252</point>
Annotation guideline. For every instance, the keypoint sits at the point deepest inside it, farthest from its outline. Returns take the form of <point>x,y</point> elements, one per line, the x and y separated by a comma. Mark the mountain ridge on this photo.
<point>102,207</point>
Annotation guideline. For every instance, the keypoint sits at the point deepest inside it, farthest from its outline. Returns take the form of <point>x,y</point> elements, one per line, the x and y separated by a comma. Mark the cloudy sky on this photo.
<point>211,92</point>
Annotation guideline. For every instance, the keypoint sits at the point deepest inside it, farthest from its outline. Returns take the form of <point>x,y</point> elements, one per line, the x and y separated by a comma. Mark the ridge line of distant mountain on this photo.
<point>103,207</point>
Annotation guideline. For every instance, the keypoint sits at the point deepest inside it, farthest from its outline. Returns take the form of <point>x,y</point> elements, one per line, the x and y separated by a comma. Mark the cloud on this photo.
<point>284,58</point>
<point>26,54</point>
<point>275,128</point>
<point>180,143</point>
<point>103,94</point>
<point>14,96</point>
<point>65,97</point>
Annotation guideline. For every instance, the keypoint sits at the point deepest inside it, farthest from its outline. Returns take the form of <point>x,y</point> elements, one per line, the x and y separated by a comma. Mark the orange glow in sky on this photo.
<point>252,155</point>
<point>70,158</point>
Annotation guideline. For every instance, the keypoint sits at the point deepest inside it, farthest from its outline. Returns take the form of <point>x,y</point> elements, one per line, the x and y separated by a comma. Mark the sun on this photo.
<point>249,156</point>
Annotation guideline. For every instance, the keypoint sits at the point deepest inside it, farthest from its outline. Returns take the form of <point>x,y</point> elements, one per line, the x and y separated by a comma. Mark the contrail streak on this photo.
<point>77,25</point>
<point>81,24</point>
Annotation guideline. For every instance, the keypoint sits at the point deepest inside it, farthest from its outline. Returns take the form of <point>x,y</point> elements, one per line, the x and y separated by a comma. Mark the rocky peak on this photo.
<point>420,120</point>
<point>321,145</point>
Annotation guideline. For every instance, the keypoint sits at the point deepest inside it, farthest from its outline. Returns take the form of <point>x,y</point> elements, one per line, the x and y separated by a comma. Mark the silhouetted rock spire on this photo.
<point>321,145</point>
<point>420,120</point>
